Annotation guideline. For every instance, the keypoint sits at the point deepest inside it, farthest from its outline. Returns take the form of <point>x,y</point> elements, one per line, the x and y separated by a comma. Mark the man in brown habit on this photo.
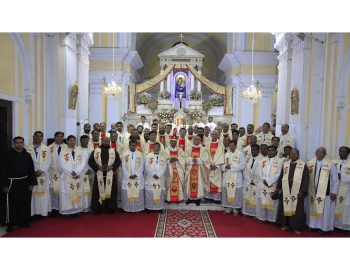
<point>104,161</point>
<point>294,183</point>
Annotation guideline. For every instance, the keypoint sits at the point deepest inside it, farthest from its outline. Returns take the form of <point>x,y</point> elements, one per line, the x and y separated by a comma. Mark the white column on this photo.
<point>162,82</point>
<point>68,76</point>
<point>168,83</point>
<point>265,107</point>
<point>192,81</point>
<point>198,82</point>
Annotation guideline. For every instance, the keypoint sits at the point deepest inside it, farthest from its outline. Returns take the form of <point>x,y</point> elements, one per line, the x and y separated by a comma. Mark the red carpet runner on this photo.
<point>184,223</point>
<point>172,223</point>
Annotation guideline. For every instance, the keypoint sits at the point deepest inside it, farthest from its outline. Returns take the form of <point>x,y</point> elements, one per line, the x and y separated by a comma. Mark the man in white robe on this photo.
<point>323,189</point>
<point>55,150</point>
<point>133,196</point>
<point>210,124</point>
<point>72,162</point>
<point>155,165</point>
<point>269,172</point>
<point>286,139</point>
<point>342,214</point>
<point>251,181</point>
<point>88,173</point>
<point>265,136</point>
<point>232,180</point>
<point>41,202</point>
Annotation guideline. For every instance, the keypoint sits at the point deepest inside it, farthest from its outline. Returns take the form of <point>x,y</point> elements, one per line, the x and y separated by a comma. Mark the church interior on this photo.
<point>55,81</point>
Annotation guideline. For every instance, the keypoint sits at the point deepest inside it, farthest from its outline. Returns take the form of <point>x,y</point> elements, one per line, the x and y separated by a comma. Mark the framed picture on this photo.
<point>294,101</point>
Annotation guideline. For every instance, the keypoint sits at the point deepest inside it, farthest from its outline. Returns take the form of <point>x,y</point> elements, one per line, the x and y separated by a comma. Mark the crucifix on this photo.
<point>181,36</point>
<point>180,99</point>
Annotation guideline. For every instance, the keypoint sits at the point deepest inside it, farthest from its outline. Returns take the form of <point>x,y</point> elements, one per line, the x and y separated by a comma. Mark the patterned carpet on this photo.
<point>184,223</point>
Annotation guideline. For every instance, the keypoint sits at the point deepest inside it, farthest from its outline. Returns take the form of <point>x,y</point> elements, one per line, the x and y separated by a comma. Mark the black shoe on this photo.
<point>310,229</point>
<point>9,229</point>
<point>98,213</point>
<point>321,232</point>
<point>53,213</point>
<point>345,232</point>
<point>217,202</point>
<point>148,211</point>
<point>34,218</point>
<point>160,211</point>
<point>40,217</point>
<point>198,202</point>
<point>67,217</point>
<point>188,202</point>
<point>111,212</point>
<point>76,215</point>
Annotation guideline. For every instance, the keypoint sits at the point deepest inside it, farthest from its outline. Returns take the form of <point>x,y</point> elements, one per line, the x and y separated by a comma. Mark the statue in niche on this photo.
<point>73,97</point>
<point>294,101</point>
<point>180,86</point>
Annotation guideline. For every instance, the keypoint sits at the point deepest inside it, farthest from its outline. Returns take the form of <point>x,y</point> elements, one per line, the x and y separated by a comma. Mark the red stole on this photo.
<point>247,140</point>
<point>202,140</point>
<point>195,153</point>
<point>138,146</point>
<point>103,135</point>
<point>175,132</point>
<point>114,145</point>
<point>175,184</point>
<point>190,137</point>
<point>162,139</point>
<point>225,135</point>
<point>96,145</point>
<point>213,148</point>
<point>150,147</point>
<point>182,144</point>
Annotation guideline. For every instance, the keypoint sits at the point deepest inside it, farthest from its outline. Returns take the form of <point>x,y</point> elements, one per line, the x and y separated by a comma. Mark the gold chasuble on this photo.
<point>317,195</point>
<point>175,181</point>
<point>230,176</point>
<point>74,185</point>
<point>44,151</point>
<point>132,185</point>
<point>290,197</point>
<point>266,192</point>
<point>343,186</point>
<point>196,173</point>
<point>216,152</point>
<point>104,188</point>
<point>250,191</point>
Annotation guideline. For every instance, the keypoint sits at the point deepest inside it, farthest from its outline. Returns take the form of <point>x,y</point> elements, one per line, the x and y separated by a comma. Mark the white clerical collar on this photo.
<point>173,149</point>
<point>291,162</point>
<point>196,146</point>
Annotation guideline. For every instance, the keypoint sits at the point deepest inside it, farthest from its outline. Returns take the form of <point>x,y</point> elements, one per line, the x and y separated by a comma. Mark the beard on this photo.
<point>103,146</point>
<point>200,135</point>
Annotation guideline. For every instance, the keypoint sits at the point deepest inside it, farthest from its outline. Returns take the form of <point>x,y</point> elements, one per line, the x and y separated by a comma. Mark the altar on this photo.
<point>180,91</point>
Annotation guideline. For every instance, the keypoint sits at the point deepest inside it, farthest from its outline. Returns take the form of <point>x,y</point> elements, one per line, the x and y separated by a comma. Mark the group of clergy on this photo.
<point>260,175</point>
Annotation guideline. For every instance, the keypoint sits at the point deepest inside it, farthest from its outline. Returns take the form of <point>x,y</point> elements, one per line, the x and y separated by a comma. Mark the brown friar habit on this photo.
<point>297,221</point>
<point>112,202</point>
<point>17,165</point>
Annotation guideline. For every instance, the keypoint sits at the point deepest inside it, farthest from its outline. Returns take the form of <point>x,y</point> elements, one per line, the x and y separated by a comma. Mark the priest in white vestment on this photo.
<point>133,196</point>
<point>251,181</point>
<point>72,162</point>
<point>269,172</point>
<point>41,202</point>
<point>323,190</point>
<point>232,179</point>
<point>88,173</point>
<point>55,150</point>
<point>155,165</point>
<point>342,214</point>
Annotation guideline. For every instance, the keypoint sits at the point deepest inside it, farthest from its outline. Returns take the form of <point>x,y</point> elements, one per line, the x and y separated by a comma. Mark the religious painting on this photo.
<point>294,101</point>
<point>180,86</point>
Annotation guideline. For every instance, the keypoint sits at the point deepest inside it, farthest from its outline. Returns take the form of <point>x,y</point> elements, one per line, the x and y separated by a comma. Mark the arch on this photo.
<point>26,64</point>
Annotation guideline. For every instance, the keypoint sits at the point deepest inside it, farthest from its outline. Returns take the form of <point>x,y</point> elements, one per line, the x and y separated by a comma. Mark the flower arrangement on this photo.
<point>143,98</point>
<point>216,100</point>
<point>195,95</point>
<point>207,105</point>
<point>152,105</point>
<point>192,115</point>
<point>165,94</point>
<point>164,114</point>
